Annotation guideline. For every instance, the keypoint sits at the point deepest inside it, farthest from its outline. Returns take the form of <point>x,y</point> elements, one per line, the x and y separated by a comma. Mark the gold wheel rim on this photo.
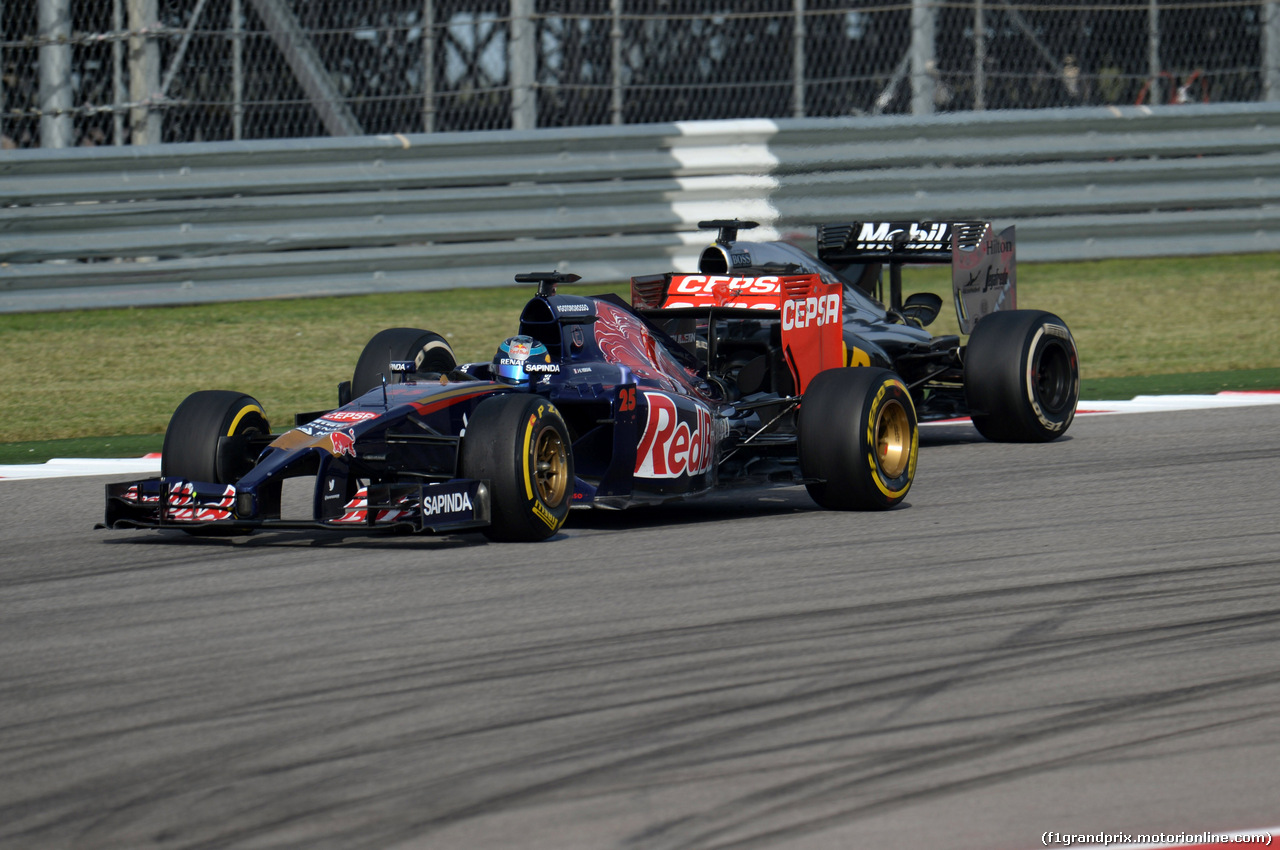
<point>551,467</point>
<point>893,439</point>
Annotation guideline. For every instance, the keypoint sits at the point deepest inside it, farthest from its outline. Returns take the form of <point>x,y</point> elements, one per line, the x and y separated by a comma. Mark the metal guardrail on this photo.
<point>203,222</point>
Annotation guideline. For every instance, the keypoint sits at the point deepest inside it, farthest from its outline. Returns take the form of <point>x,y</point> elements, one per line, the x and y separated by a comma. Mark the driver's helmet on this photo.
<point>509,362</point>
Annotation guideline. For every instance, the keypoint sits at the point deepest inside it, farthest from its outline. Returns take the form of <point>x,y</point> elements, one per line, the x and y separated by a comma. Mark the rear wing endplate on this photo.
<point>983,267</point>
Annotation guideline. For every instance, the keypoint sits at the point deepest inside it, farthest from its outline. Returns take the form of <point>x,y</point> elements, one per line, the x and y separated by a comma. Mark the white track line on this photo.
<point>65,467</point>
<point>150,465</point>
<point>1156,403</point>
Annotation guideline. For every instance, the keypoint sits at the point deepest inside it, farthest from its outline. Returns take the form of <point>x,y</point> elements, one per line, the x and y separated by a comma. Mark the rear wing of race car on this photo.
<point>983,267</point>
<point>807,310</point>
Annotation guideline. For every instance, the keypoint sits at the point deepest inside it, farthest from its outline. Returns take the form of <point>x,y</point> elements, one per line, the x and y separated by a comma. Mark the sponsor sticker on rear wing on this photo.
<point>983,266</point>
<point>681,291</point>
<point>810,312</point>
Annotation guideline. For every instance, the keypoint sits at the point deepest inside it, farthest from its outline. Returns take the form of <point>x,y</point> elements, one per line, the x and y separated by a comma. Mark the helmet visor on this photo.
<point>511,371</point>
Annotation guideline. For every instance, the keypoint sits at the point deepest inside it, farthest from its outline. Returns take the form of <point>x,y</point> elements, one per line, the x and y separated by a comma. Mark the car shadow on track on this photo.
<point>960,432</point>
<point>719,507</point>
<point>949,433</point>
<point>722,506</point>
<point>294,538</point>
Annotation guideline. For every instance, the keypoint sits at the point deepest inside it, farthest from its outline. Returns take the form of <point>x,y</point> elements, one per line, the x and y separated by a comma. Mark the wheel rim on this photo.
<point>1051,378</point>
<point>893,438</point>
<point>551,467</point>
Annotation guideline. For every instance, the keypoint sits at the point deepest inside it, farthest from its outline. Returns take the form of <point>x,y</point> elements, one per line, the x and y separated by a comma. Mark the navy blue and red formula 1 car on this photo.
<point>594,402</point>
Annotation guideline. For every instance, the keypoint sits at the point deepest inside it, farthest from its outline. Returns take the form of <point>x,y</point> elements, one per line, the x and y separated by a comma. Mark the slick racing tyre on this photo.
<point>1021,376</point>
<point>191,441</point>
<point>520,443</point>
<point>429,352</point>
<point>190,448</point>
<point>858,439</point>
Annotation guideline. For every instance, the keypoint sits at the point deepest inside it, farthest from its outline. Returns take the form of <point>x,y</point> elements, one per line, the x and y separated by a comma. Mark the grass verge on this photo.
<point>1096,389</point>
<point>71,382</point>
<point>1205,383</point>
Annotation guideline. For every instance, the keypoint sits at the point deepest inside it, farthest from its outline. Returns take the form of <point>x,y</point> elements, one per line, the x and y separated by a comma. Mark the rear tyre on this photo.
<point>1021,376</point>
<point>520,443</point>
<point>190,448</point>
<point>859,437</point>
<point>429,352</point>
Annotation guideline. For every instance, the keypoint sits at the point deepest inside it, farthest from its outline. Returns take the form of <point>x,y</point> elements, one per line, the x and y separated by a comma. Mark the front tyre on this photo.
<point>1021,376</point>
<point>858,439</point>
<point>429,351</point>
<point>190,448</point>
<point>520,443</point>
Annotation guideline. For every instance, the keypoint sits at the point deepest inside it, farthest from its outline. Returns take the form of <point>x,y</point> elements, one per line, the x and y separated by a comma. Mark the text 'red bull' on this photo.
<point>673,445</point>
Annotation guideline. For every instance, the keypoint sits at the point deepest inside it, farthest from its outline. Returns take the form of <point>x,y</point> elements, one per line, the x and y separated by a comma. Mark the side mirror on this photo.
<point>344,393</point>
<point>922,307</point>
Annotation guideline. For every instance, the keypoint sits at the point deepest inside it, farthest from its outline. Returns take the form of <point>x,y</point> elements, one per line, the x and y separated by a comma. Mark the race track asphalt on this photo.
<point>1075,637</point>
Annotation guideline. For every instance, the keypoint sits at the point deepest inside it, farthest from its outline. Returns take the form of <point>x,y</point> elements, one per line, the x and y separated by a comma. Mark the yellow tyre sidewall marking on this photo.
<point>248,408</point>
<point>539,510</point>
<point>527,461</point>
<point>876,474</point>
<point>546,516</point>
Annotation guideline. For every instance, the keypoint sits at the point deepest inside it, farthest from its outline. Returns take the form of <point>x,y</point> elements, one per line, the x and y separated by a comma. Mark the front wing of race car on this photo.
<point>435,507</point>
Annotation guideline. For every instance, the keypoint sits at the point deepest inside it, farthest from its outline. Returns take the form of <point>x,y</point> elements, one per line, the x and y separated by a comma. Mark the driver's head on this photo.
<point>509,362</point>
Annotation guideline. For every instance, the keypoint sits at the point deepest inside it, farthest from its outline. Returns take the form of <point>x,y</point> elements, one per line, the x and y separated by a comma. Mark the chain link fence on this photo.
<point>113,72</point>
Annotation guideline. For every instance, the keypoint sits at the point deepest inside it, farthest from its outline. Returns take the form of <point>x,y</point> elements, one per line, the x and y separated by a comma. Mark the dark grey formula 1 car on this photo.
<point>1017,375</point>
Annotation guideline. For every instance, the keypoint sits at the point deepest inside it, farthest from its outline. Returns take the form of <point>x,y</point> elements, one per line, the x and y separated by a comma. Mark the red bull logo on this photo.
<point>344,442</point>
<point>671,445</point>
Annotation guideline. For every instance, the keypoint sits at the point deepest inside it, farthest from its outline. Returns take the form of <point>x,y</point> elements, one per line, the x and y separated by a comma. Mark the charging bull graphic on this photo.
<point>344,442</point>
